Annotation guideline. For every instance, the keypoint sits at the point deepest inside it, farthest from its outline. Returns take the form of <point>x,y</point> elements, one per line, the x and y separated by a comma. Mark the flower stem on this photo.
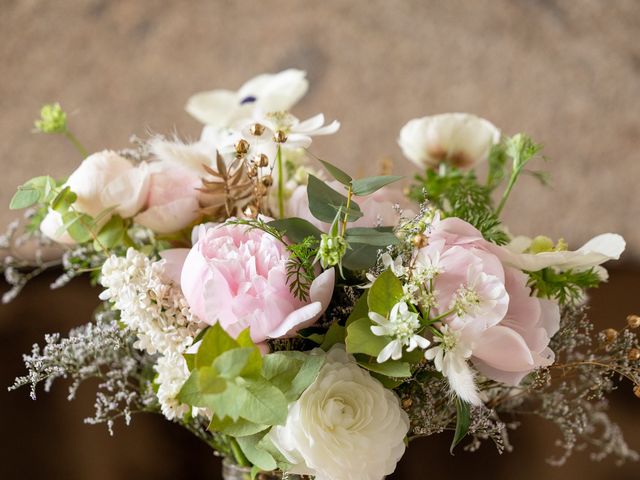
<point>238,455</point>
<point>280,182</point>
<point>507,192</point>
<point>346,213</point>
<point>76,143</point>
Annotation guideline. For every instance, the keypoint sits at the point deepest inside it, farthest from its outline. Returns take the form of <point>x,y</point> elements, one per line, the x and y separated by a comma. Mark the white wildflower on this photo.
<point>449,354</point>
<point>402,326</point>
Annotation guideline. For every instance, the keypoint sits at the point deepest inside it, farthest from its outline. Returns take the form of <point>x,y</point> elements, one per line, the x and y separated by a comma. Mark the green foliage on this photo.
<point>463,422</point>
<point>378,236</point>
<point>566,287</point>
<point>325,202</point>
<point>38,190</point>
<point>300,269</point>
<point>295,229</point>
<point>112,234</point>
<point>366,186</point>
<point>385,292</point>
<point>246,392</point>
<point>339,175</point>
<point>459,194</point>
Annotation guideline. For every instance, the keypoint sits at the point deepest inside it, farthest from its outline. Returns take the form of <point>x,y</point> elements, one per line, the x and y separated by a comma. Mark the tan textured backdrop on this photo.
<point>567,72</point>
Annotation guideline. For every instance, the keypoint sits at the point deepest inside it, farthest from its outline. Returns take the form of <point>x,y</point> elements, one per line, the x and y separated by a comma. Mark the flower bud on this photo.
<point>331,250</point>
<point>52,119</point>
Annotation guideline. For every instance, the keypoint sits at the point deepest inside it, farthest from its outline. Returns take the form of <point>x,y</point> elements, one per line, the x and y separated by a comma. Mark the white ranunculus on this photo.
<point>459,139</point>
<point>346,425</point>
<point>598,250</point>
<point>266,93</point>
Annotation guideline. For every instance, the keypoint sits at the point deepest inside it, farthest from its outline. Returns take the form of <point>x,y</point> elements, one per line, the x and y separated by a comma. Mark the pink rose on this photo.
<point>378,208</point>
<point>237,277</point>
<point>172,203</point>
<point>507,329</point>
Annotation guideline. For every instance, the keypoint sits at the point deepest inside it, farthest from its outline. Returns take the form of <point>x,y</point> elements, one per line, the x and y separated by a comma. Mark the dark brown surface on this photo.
<point>47,439</point>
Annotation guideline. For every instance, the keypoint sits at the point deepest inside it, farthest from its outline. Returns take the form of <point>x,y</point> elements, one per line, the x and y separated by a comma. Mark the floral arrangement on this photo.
<point>302,321</point>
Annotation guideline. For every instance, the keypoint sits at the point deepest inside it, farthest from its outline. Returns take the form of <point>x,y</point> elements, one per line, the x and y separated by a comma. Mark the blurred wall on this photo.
<point>566,72</point>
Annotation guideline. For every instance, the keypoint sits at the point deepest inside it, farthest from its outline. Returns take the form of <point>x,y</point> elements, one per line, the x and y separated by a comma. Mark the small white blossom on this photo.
<point>402,325</point>
<point>449,354</point>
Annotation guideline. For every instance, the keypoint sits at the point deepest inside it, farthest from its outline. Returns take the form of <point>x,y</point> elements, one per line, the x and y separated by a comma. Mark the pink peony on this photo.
<point>378,208</point>
<point>507,329</point>
<point>172,203</point>
<point>237,277</point>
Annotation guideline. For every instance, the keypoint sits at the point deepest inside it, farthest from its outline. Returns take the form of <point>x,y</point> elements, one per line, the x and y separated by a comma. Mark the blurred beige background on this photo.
<point>567,72</point>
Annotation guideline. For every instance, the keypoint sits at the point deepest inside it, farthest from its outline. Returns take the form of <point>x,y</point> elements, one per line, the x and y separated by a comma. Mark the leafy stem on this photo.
<point>280,182</point>
<point>76,143</point>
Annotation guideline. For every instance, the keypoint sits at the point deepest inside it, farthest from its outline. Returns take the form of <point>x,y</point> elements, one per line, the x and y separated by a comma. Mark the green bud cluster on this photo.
<point>52,119</point>
<point>331,251</point>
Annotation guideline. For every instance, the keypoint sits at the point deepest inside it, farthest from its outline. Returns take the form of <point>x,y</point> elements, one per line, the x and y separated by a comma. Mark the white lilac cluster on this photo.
<point>155,309</point>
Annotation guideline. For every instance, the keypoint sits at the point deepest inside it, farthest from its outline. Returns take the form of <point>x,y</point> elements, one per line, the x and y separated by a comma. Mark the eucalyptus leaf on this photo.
<point>36,190</point>
<point>295,229</point>
<point>379,237</point>
<point>343,177</point>
<point>244,362</point>
<point>390,368</point>
<point>325,202</point>
<point>78,225</point>
<point>63,200</point>
<point>360,256</point>
<point>366,186</point>
<point>112,233</point>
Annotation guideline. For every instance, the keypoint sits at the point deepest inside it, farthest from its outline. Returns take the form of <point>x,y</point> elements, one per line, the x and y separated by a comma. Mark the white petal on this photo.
<point>216,107</point>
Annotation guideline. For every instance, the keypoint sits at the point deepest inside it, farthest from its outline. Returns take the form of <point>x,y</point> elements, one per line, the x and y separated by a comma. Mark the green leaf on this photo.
<point>63,200</point>
<point>325,202</point>
<point>463,420</point>
<point>295,229</point>
<point>305,376</point>
<point>379,237</point>
<point>214,343</point>
<point>202,388</point>
<point>261,402</point>
<point>334,335</point>
<point>360,338</point>
<point>111,234</point>
<point>78,225</point>
<point>244,362</point>
<point>360,256</point>
<point>257,456</point>
<point>336,173</point>
<point>385,292</point>
<point>239,428</point>
<point>366,186</point>
<point>36,190</point>
<point>360,309</point>
<point>390,368</point>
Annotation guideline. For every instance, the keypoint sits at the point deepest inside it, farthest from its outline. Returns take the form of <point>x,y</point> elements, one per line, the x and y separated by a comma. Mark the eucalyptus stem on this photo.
<point>280,182</point>
<point>76,143</point>
<point>346,213</point>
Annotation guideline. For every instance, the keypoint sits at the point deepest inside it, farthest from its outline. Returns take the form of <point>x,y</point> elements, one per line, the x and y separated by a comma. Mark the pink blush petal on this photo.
<point>173,262</point>
<point>502,348</point>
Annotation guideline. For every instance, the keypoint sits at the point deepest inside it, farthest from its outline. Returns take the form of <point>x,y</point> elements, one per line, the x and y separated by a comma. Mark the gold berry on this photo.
<point>280,137</point>
<point>633,321</point>
<point>260,190</point>
<point>256,129</point>
<point>251,211</point>
<point>420,240</point>
<point>261,160</point>
<point>610,335</point>
<point>634,355</point>
<point>267,180</point>
<point>406,403</point>
<point>252,172</point>
<point>242,146</point>
<point>636,390</point>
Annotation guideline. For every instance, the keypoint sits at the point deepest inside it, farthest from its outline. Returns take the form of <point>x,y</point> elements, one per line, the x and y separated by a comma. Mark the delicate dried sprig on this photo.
<point>230,191</point>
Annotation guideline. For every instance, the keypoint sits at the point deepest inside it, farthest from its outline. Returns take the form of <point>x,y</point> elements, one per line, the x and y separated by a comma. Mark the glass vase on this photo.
<point>231,471</point>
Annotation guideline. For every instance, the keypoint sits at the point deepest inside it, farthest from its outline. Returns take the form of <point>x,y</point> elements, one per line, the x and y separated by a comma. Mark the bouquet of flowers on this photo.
<point>304,322</point>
